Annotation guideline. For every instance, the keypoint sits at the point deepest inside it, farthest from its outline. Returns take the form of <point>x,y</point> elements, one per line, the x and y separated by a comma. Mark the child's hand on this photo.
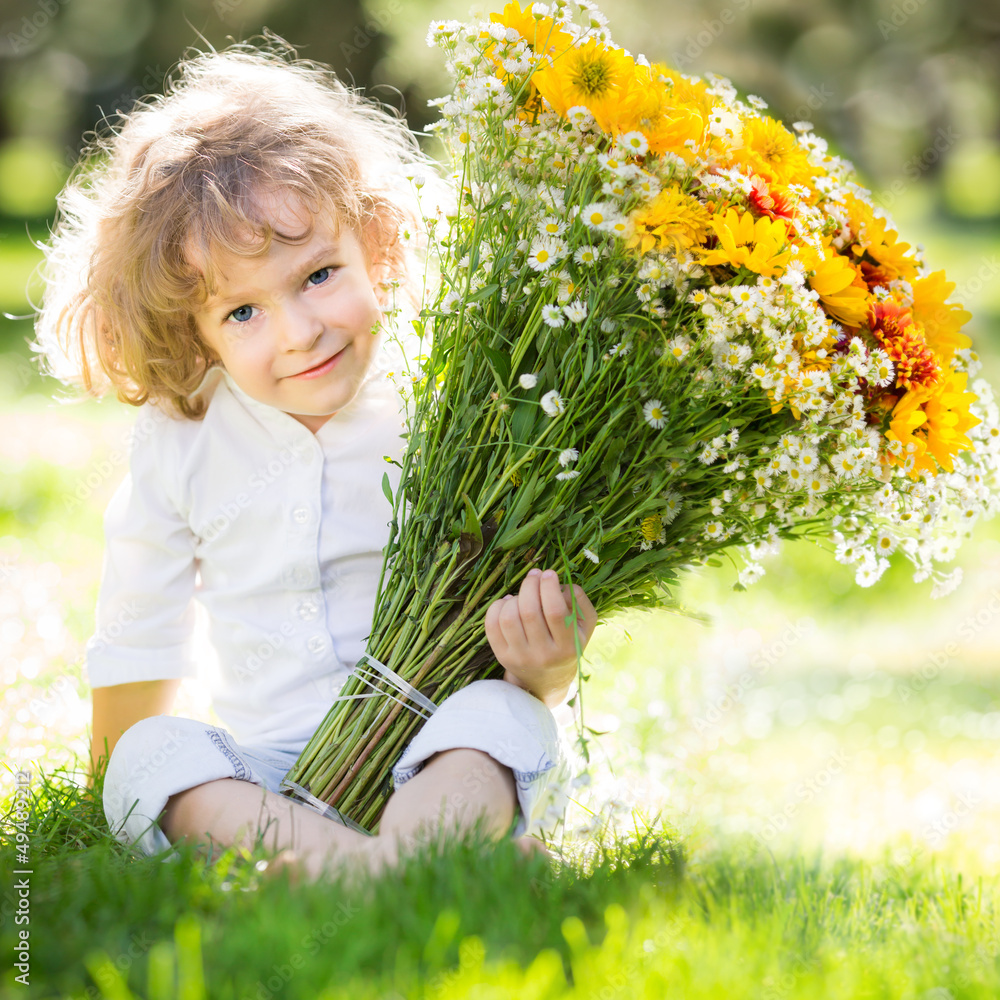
<point>531,640</point>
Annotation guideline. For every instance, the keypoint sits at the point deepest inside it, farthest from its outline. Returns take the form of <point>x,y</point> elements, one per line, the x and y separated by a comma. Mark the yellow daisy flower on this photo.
<point>590,75</point>
<point>746,243</point>
<point>934,420</point>
<point>774,153</point>
<point>941,320</point>
<point>672,221</point>
<point>841,289</point>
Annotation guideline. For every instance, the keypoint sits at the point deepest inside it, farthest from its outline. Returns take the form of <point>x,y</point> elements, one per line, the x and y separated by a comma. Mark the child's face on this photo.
<point>294,328</point>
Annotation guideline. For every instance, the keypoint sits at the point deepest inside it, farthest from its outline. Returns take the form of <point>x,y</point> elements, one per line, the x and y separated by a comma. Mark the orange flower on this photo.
<point>770,201</point>
<point>941,321</point>
<point>892,325</point>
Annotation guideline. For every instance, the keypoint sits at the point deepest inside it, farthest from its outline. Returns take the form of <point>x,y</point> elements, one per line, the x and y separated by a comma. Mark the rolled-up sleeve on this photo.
<point>145,611</point>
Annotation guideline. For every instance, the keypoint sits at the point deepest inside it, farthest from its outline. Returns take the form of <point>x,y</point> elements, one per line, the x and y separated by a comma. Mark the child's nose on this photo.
<point>300,329</point>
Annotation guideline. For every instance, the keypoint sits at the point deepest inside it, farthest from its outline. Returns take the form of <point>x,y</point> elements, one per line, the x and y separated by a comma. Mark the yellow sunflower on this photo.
<point>591,75</point>
<point>672,221</point>
<point>941,320</point>
<point>771,151</point>
<point>842,291</point>
<point>746,243</point>
<point>539,32</point>
<point>880,243</point>
<point>934,420</point>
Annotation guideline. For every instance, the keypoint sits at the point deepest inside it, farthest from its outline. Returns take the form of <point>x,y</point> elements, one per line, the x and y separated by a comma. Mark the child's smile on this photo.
<point>294,327</point>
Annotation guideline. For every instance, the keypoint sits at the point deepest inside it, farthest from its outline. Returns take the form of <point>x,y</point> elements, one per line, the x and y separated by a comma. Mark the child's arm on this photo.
<point>120,706</point>
<point>144,618</point>
<point>531,640</point>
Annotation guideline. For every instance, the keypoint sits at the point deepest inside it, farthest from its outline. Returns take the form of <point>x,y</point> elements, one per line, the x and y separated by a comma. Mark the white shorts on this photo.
<point>164,754</point>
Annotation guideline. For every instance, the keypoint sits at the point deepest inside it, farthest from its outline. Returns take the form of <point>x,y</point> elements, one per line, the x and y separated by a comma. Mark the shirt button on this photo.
<point>308,610</point>
<point>300,515</point>
<point>316,644</point>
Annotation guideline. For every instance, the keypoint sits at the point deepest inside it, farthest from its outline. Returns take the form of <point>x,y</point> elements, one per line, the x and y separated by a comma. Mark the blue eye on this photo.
<point>325,271</point>
<point>245,310</point>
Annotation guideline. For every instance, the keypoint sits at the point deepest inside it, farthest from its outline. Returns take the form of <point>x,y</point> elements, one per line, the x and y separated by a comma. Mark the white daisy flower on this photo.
<point>552,227</point>
<point>572,474</point>
<point>601,215</point>
<point>576,312</point>
<point>885,543</point>
<point>634,143</point>
<point>553,316</point>
<point>608,326</point>
<point>592,556</point>
<point>736,356</point>
<point>881,371</point>
<point>587,254</point>
<point>946,584</point>
<point>544,253</point>
<point>654,413</point>
<point>714,530</point>
<point>552,403</point>
<point>528,380</point>
<point>671,507</point>
<point>568,455</point>
<point>679,347</point>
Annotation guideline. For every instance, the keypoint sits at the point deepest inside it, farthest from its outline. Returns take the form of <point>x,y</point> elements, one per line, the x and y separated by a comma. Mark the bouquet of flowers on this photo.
<point>666,326</point>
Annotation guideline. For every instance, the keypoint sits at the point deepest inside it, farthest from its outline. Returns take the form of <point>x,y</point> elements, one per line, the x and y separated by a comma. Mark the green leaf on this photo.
<point>522,422</point>
<point>529,529</point>
<point>472,525</point>
<point>483,293</point>
<point>386,488</point>
<point>499,365</point>
<point>610,465</point>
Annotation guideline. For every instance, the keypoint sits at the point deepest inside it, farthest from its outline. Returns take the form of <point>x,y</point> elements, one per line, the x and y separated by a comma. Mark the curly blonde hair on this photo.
<point>120,294</point>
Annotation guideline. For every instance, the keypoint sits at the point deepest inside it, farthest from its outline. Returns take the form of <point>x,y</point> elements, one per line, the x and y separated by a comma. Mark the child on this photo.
<point>225,266</point>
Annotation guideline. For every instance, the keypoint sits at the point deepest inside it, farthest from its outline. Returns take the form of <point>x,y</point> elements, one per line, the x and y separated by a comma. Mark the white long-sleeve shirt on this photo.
<point>276,531</point>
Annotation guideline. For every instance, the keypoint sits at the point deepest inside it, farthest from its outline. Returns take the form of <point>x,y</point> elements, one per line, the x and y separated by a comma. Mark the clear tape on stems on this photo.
<point>295,791</point>
<point>403,693</point>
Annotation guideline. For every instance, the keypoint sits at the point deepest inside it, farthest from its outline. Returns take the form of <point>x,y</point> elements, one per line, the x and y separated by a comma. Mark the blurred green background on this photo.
<point>874,716</point>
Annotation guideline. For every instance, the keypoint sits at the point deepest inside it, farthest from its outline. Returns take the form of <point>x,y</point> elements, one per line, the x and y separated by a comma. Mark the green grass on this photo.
<point>625,920</point>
